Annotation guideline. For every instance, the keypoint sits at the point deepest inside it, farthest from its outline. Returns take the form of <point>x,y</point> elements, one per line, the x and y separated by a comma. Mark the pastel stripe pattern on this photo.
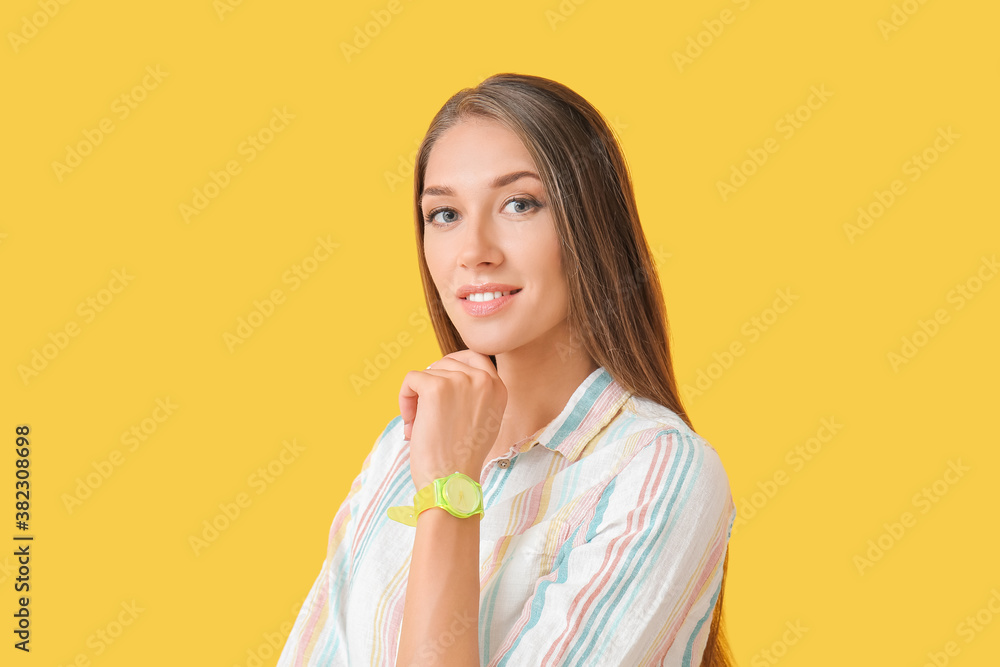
<point>602,544</point>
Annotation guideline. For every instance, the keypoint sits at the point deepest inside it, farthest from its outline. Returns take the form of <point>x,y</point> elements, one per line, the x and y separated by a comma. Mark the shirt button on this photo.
<point>503,463</point>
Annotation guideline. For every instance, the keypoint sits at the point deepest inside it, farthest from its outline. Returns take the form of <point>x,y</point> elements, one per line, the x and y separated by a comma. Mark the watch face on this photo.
<point>461,494</point>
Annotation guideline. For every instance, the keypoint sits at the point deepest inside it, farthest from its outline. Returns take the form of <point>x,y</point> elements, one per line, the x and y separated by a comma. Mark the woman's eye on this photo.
<point>432,216</point>
<point>522,201</point>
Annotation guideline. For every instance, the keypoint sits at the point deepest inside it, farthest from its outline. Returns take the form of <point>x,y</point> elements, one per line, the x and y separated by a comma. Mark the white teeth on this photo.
<point>486,296</point>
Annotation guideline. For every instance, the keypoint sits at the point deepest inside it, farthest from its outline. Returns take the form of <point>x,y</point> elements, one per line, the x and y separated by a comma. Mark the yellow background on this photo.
<point>722,262</point>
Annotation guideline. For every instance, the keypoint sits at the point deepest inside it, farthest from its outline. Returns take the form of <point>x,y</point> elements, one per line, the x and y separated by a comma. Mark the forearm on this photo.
<point>441,613</point>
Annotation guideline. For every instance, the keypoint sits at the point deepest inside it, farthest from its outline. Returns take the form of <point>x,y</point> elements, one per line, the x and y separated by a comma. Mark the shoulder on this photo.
<point>664,440</point>
<point>642,412</point>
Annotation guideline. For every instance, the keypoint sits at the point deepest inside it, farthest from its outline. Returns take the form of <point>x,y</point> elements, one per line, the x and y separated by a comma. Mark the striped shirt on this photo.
<point>602,544</point>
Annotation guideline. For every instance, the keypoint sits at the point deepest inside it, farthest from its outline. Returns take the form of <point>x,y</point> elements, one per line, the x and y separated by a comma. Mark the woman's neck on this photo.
<point>538,388</point>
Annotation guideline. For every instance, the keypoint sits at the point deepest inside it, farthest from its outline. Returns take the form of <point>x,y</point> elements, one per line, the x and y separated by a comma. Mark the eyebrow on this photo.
<point>498,182</point>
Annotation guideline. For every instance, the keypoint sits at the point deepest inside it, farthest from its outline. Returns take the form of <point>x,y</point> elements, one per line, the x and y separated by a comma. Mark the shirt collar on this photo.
<point>594,403</point>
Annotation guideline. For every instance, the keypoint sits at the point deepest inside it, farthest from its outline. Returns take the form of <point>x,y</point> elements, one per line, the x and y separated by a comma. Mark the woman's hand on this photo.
<point>455,424</point>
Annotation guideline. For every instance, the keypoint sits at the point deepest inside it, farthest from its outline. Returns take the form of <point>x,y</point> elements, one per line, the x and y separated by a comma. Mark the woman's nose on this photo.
<point>479,242</point>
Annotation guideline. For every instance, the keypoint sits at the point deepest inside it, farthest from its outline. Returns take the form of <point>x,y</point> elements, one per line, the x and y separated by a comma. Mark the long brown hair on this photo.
<point>616,309</point>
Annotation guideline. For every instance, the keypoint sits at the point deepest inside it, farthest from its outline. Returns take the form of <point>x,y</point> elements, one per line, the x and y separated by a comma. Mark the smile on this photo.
<point>488,296</point>
<point>482,304</point>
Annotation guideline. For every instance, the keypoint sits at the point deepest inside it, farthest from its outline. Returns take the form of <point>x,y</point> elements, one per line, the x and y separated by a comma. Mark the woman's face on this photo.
<point>492,223</point>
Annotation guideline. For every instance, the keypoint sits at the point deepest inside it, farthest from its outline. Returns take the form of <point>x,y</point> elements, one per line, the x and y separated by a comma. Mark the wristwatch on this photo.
<point>457,493</point>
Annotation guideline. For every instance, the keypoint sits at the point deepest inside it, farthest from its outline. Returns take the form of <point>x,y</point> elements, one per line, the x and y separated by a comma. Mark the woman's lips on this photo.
<point>486,308</point>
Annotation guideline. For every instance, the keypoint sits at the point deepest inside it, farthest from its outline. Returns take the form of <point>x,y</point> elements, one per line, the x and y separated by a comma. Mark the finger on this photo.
<point>416,381</point>
<point>408,394</point>
<point>408,410</point>
<point>447,368</point>
<point>472,359</point>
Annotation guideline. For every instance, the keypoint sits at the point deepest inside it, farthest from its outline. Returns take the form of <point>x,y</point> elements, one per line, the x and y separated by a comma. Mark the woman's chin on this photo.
<point>485,348</point>
<point>485,351</point>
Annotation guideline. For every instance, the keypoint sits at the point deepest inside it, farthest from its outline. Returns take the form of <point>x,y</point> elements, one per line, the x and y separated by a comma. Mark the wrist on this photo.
<point>455,493</point>
<point>423,480</point>
<point>441,516</point>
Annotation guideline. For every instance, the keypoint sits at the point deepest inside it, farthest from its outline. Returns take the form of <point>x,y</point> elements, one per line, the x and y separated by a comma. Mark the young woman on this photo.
<point>542,498</point>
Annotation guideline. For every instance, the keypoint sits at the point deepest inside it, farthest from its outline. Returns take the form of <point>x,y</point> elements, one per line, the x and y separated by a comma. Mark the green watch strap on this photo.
<point>457,493</point>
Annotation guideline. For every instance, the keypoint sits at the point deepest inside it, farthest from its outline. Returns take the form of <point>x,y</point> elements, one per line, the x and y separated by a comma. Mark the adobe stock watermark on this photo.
<point>122,107</point>
<point>249,148</point>
<point>374,366</point>
<point>104,468</point>
<point>88,310</point>
<point>562,12</point>
<point>968,629</point>
<point>471,445</point>
<point>403,173</point>
<point>752,329</point>
<point>294,276</point>
<point>473,442</point>
<point>223,7</point>
<point>365,33</point>
<point>926,330</point>
<point>923,500</point>
<point>779,648</point>
<point>230,510</point>
<point>914,167</point>
<point>7,569</point>
<point>787,125</point>
<point>431,649</point>
<point>898,17</point>
<point>30,25</point>
<point>273,642</point>
<point>660,257</point>
<point>796,457</point>
<point>714,27</point>
<point>406,162</point>
<point>104,637</point>
<point>587,153</point>
<point>567,350</point>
